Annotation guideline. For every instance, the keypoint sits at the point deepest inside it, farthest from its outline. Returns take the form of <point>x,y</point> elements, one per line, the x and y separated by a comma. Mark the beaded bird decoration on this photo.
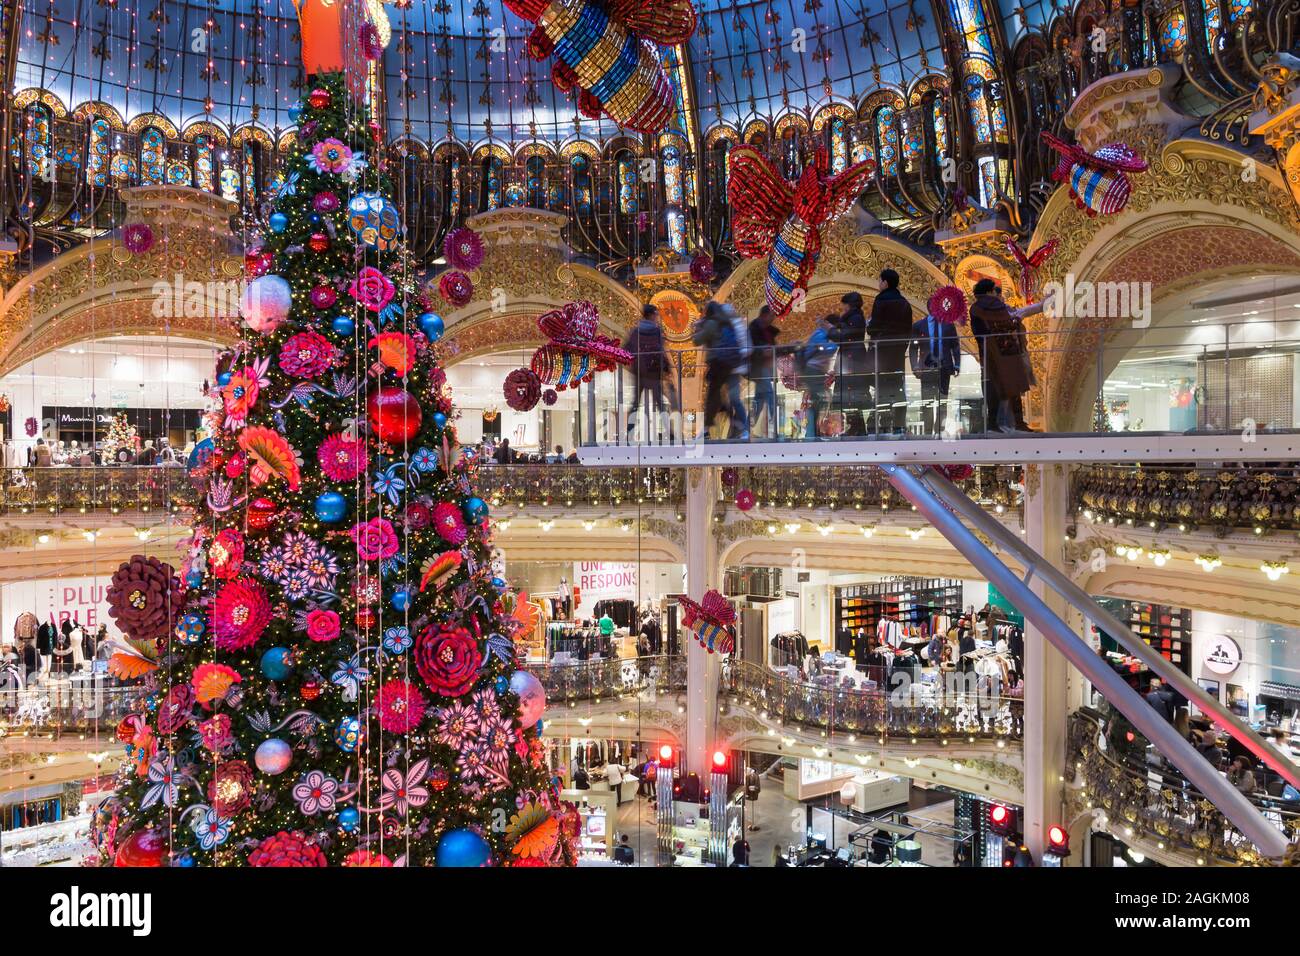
<point>607,54</point>
<point>782,221</point>
<point>1098,181</point>
<point>575,351</point>
<point>713,621</point>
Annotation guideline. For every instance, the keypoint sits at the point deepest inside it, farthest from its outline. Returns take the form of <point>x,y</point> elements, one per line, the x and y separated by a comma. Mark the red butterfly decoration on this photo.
<point>1030,263</point>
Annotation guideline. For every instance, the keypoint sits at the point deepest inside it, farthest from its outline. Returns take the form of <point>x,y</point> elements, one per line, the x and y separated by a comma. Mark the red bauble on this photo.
<point>319,99</point>
<point>318,242</point>
<point>310,690</point>
<point>257,264</point>
<point>145,848</point>
<point>261,512</point>
<point>394,414</point>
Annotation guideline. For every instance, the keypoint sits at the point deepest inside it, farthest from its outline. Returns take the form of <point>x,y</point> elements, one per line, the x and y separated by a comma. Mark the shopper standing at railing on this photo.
<point>935,356</point>
<point>649,360</point>
<point>853,378</point>
<point>41,457</point>
<point>725,338</point>
<point>812,365</point>
<point>890,331</point>
<point>1004,357</point>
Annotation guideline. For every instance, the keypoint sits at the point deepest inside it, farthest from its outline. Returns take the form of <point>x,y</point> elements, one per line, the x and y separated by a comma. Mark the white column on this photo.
<point>1046,670</point>
<point>702,668</point>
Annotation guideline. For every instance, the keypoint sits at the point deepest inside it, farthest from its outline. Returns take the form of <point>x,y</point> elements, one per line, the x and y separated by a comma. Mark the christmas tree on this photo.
<point>121,436</point>
<point>336,683</point>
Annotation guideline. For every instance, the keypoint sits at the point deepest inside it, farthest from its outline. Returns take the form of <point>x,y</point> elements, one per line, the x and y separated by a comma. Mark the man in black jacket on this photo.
<point>852,368</point>
<point>890,331</point>
<point>646,343</point>
<point>935,357</point>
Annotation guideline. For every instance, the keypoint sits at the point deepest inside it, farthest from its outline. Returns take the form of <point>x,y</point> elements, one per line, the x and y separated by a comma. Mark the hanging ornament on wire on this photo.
<point>456,288</point>
<point>702,268</point>
<point>522,389</point>
<point>463,248</point>
<point>948,305</point>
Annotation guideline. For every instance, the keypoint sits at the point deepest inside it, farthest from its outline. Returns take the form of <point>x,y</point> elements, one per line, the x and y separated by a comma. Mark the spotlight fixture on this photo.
<point>1160,556</point>
<point>1208,562</point>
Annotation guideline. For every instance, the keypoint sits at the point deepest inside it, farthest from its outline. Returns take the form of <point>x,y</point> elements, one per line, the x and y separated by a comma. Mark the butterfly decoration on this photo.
<point>1030,264</point>
<point>608,53</point>
<point>782,221</point>
<point>1098,182</point>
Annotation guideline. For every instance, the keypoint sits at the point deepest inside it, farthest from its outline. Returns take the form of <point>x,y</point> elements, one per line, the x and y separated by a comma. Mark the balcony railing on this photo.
<point>76,490</point>
<point>863,488</point>
<point>1157,803</point>
<point>1222,499</point>
<point>566,684</point>
<point>567,486</point>
<point>942,710</point>
<point>57,708</point>
<point>1220,380</point>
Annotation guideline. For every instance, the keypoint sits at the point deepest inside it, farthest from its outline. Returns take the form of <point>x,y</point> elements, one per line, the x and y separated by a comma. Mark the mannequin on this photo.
<point>565,597</point>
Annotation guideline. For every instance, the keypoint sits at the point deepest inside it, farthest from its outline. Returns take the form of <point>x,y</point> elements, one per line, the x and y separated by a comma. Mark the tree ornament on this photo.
<point>318,242</point>
<point>729,477</point>
<point>522,389</point>
<point>261,513</point>
<point>476,510</point>
<point>323,296</point>
<point>463,249</point>
<point>456,288</point>
<point>257,263</point>
<point>532,697</point>
<point>349,818</point>
<point>374,220</point>
<point>331,507</point>
<point>138,238</point>
<point>432,326</point>
<point>744,499</point>
<point>319,99</point>
<point>143,848</point>
<point>702,268</point>
<point>550,397</point>
<point>394,414</point>
<point>273,756</point>
<point>348,734</point>
<point>266,302</point>
<point>462,848</point>
<point>342,325</point>
<point>277,663</point>
<point>144,598</point>
<point>439,420</point>
<point>278,222</point>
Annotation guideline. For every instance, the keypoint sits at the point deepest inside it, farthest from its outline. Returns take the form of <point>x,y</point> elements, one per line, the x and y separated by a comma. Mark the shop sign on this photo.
<point>595,581</point>
<point>1224,655</point>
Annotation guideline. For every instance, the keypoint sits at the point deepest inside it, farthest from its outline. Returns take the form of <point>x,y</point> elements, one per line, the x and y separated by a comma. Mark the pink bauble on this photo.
<point>394,414</point>
<point>323,296</point>
<point>266,303</point>
<point>144,848</point>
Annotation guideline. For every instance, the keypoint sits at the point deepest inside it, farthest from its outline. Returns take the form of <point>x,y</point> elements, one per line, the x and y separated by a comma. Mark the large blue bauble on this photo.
<point>532,697</point>
<point>348,734</point>
<point>432,326</point>
<point>439,420</point>
<point>349,818</point>
<point>462,848</point>
<point>476,510</point>
<point>295,113</point>
<point>273,756</point>
<point>279,222</point>
<point>277,663</point>
<point>401,600</point>
<point>223,379</point>
<point>331,506</point>
<point>343,325</point>
<point>185,860</point>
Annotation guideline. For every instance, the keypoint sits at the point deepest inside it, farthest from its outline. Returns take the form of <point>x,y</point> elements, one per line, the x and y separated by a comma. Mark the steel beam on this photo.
<point>1081,601</point>
<point>1216,788</point>
<point>1117,448</point>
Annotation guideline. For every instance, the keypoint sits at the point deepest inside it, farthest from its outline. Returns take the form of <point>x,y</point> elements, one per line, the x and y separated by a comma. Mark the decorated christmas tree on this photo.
<point>121,436</point>
<point>332,681</point>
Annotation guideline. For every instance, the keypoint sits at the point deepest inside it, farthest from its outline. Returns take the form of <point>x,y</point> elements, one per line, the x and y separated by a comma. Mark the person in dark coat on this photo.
<point>646,343</point>
<point>1005,357</point>
<point>935,356</point>
<point>852,371</point>
<point>890,331</point>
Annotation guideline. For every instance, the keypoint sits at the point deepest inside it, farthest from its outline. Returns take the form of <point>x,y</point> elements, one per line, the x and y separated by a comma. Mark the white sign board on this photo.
<point>603,580</point>
<point>1223,656</point>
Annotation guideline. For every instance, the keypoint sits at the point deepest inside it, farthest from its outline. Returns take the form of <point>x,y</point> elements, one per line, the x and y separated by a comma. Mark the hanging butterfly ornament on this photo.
<point>609,54</point>
<point>1098,181</point>
<point>374,220</point>
<point>713,621</point>
<point>575,351</point>
<point>1030,263</point>
<point>782,220</point>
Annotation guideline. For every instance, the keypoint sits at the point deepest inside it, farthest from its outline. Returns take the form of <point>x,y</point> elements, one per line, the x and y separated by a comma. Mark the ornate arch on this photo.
<point>107,290</point>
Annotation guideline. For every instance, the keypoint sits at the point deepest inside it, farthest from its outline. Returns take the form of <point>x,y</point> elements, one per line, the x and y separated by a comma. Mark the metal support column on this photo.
<point>1216,788</point>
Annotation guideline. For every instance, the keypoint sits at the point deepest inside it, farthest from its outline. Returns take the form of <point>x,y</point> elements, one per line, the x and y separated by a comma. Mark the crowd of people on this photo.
<point>74,454</point>
<point>853,363</point>
<point>501,453</point>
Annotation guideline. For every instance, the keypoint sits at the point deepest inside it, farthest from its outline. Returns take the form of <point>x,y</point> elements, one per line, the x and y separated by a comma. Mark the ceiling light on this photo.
<point>915,533</point>
<point>791,526</point>
<point>825,529</point>
<point>588,524</point>
<point>1275,569</point>
<point>1160,556</point>
<point>43,538</point>
<point>868,530</point>
<point>548,524</point>
<point>1209,561</point>
<point>504,524</point>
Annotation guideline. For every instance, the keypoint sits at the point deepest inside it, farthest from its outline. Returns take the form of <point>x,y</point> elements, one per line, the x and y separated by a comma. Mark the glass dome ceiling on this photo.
<point>235,62</point>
